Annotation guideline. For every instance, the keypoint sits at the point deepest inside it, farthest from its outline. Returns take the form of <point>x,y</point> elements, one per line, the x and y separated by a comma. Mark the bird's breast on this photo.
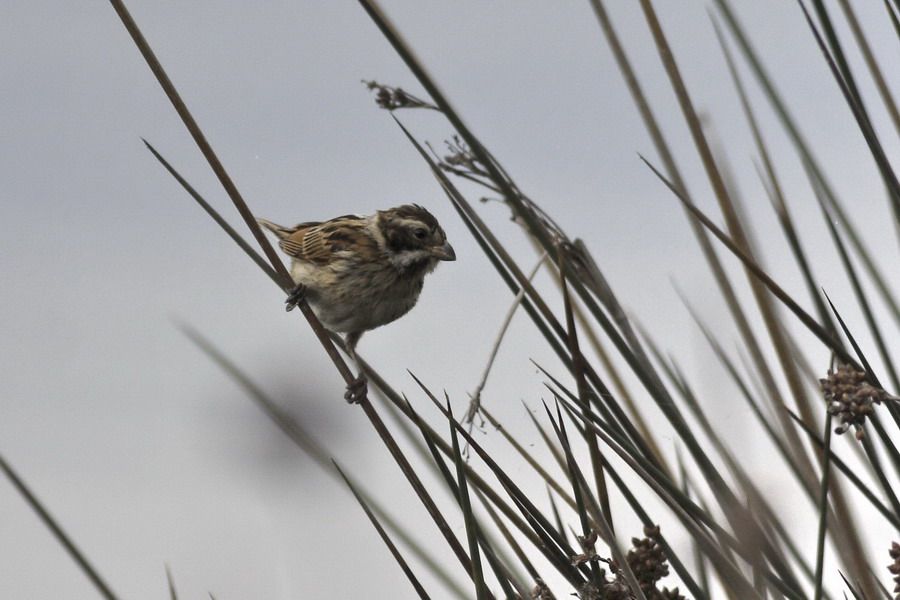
<point>358,297</point>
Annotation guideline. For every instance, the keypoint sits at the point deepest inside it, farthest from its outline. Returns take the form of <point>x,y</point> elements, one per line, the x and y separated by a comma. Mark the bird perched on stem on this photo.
<point>360,272</point>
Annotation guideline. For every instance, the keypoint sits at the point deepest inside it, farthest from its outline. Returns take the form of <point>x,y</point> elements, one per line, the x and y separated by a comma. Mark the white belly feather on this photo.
<point>357,297</point>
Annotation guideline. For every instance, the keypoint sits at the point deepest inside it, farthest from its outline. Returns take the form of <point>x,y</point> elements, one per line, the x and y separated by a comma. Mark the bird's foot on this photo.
<point>295,297</point>
<point>356,389</point>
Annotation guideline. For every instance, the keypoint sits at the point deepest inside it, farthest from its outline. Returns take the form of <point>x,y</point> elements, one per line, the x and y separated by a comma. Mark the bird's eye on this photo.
<point>420,234</point>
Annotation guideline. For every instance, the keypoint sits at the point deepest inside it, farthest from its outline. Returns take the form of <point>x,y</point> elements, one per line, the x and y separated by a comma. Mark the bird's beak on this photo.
<point>444,252</point>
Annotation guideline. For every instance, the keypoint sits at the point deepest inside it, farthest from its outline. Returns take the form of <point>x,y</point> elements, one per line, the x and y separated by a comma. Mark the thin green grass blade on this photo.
<point>866,309</point>
<point>773,287</point>
<point>721,278</point>
<point>556,548</point>
<point>578,362</point>
<point>510,541</point>
<point>851,475</point>
<point>689,514</point>
<point>282,277</point>
<point>481,591</point>
<point>865,50</point>
<point>499,257</point>
<point>56,529</point>
<point>220,221</point>
<point>749,537</point>
<point>669,493</point>
<point>875,462</point>
<point>803,149</point>
<point>744,389</point>
<point>399,402</point>
<point>699,558</point>
<point>823,510</point>
<point>884,592</point>
<point>598,519</point>
<point>173,594</point>
<point>618,383</point>
<point>844,79</point>
<point>723,493</point>
<point>502,573</point>
<point>495,172</point>
<point>204,146</point>
<point>696,591</point>
<point>893,16</point>
<point>588,532</point>
<point>549,322</point>
<point>747,485</point>
<point>532,462</point>
<point>875,330</point>
<point>316,451</point>
<point>557,518</point>
<point>554,449</point>
<point>737,232</point>
<point>859,595</point>
<point>420,591</point>
<point>774,188</point>
<point>886,441</point>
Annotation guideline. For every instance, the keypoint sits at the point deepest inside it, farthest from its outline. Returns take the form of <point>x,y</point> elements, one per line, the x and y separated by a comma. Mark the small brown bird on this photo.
<point>358,273</point>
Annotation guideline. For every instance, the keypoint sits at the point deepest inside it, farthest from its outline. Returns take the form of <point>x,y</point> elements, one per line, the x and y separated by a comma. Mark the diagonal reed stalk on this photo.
<point>56,529</point>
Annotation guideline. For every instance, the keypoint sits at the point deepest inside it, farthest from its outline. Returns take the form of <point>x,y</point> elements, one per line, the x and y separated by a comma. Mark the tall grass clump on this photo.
<point>832,424</point>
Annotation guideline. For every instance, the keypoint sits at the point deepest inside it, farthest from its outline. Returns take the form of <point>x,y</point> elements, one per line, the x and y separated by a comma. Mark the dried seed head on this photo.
<point>392,98</point>
<point>850,398</point>
<point>588,549</point>
<point>540,591</point>
<point>462,160</point>
<point>616,590</point>
<point>673,594</point>
<point>894,567</point>
<point>647,559</point>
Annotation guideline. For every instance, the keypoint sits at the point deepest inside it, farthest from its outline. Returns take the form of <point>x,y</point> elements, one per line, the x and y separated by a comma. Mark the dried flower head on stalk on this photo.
<point>540,591</point>
<point>647,561</point>
<point>461,159</point>
<point>894,567</point>
<point>588,549</point>
<point>392,98</point>
<point>850,398</point>
<point>649,564</point>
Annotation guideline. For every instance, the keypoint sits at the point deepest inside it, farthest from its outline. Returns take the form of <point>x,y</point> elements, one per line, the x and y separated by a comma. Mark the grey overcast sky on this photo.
<point>143,449</point>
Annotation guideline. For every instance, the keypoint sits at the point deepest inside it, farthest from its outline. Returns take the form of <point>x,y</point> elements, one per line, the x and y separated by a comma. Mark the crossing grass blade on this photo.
<point>413,580</point>
<point>823,511</point>
<point>64,540</point>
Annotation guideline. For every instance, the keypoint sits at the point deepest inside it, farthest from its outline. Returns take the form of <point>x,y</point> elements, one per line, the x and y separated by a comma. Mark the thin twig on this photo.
<point>475,397</point>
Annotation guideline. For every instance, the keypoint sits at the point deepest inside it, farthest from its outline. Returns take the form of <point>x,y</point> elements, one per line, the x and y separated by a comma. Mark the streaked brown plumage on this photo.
<point>358,273</point>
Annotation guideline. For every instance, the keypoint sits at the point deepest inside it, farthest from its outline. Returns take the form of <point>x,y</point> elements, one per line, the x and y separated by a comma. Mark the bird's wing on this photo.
<point>319,243</point>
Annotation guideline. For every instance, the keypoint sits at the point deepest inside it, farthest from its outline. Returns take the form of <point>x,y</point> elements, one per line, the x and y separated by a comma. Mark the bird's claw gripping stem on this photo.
<point>356,389</point>
<point>295,297</point>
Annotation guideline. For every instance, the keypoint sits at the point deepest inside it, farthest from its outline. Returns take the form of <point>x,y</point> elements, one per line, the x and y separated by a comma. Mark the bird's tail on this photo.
<point>278,230</point>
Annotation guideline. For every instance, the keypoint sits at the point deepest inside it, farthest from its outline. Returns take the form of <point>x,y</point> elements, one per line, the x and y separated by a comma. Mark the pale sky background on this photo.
<point>146,452</point>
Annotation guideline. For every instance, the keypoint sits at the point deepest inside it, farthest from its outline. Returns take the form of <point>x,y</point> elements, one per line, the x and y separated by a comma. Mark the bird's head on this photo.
<point>413,238</point>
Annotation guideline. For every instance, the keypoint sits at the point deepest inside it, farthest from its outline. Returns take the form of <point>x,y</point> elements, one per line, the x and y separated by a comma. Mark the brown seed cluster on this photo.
<point>588,549</point>
<point>541,591</point>
<point>850,398</point>
<point>647,561</point>
<point>894,568</point>
<point>392,98</point>
<point>649,564</point>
